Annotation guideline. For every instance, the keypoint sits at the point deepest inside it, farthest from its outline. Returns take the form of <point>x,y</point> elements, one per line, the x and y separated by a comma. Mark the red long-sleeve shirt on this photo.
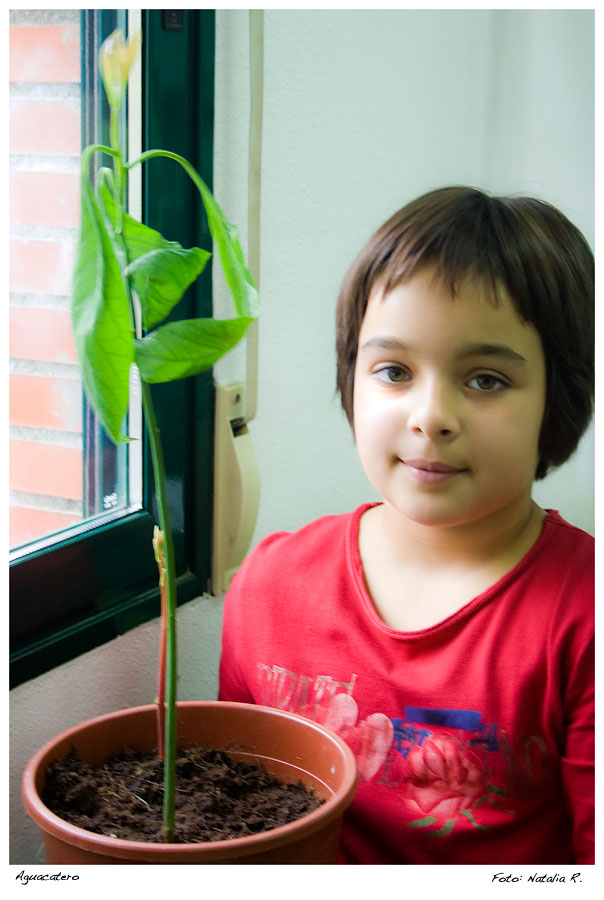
<point>474,737</point>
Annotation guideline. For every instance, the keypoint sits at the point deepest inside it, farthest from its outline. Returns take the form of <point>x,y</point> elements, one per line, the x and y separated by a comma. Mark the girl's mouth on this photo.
<point>431,472</point>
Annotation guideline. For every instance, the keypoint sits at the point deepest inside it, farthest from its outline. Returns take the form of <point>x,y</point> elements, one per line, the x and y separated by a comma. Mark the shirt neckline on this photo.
<point>468,609</point>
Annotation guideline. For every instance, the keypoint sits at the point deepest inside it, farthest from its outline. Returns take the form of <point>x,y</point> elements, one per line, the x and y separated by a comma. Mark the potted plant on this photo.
<point>127,279</point>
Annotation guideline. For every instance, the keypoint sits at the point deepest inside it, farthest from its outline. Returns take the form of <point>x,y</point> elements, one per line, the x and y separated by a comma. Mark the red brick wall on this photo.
<point>45,395</point>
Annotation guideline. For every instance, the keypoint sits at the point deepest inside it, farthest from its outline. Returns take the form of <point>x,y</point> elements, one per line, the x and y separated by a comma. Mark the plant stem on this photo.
<point>118,166</point>
<point>167,154</point>
<point>204,191</point>
<point>158,541</point>
<point>170,589</point>
<point>167,665</point>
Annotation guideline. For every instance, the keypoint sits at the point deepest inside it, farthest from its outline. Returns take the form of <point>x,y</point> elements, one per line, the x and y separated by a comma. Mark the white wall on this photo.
<point>363,111</point>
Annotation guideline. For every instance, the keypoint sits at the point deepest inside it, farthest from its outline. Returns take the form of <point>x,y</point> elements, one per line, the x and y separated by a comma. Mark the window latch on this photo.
<point>173,19</point>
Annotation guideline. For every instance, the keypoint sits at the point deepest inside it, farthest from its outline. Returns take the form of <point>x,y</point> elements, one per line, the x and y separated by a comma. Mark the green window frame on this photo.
<point>71,596</point>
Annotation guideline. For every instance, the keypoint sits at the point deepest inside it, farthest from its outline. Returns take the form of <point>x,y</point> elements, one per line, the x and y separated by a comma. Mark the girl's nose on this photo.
<point>433,413</point>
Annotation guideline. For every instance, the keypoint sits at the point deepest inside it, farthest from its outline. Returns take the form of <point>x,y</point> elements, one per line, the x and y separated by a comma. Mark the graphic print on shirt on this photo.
<point>446,776</point>
<point>449,766</point>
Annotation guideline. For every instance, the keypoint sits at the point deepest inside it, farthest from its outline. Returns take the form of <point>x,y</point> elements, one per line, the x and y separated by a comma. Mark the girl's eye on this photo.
<point>487,383</point>
<point>392,374</point>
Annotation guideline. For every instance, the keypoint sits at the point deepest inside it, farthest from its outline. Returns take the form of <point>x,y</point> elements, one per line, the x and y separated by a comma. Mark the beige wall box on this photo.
<point>236,486</point>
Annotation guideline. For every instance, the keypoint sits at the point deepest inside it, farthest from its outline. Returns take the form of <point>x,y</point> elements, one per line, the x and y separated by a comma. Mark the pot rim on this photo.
<point>106,845</point>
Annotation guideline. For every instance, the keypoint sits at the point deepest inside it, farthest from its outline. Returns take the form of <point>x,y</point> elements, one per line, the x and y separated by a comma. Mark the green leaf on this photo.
<point>161,270</point>
<point>180,349</point>
<point>105,193</point>
<point>161,277</point>
<point>139,238</point>
<point>239,280</point>
<point>101,319</point>
<point>105,188</point>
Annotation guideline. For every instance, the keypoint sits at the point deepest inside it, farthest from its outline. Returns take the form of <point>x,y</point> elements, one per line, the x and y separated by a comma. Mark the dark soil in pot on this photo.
<point>217,798</point>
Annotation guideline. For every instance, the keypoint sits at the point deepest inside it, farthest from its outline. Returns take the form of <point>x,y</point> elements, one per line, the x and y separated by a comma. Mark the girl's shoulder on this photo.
<point>322,540</point>
<point>558,535</point>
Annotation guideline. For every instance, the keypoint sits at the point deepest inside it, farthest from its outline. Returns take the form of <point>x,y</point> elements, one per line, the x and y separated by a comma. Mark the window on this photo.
<point>45,391</point>
<point>63,471</point>
<point>83,587</point>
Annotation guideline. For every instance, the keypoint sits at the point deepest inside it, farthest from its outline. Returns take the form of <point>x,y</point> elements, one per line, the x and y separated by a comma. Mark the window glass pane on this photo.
<point>63,470</point>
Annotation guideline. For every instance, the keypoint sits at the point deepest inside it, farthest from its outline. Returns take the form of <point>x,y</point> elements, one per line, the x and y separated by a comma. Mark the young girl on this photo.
<point>447,632</point>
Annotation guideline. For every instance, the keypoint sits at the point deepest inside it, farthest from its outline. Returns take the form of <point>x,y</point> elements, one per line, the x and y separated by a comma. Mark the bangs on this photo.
<point>460,239</point>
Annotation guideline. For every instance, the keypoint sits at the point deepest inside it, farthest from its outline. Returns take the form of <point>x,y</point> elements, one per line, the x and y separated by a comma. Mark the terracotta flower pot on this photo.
<point>287,745</point>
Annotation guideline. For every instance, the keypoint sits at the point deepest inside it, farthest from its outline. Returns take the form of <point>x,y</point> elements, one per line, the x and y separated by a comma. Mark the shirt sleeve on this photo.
<point>578,759</point>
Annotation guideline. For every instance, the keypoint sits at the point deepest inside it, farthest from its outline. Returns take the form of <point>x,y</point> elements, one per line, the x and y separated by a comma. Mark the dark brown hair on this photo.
<point>527,246</point>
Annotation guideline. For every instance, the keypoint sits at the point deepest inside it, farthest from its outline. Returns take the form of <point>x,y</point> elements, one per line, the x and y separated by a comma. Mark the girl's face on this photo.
<point>449,395</point>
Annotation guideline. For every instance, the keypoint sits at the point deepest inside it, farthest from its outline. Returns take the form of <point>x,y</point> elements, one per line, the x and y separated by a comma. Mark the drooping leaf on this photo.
<point>161,277</point>
<point>101,319</point>
<point>225,236</point>
<point>161,270</point>
<point>180,349</point>
<point>236,273</point>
